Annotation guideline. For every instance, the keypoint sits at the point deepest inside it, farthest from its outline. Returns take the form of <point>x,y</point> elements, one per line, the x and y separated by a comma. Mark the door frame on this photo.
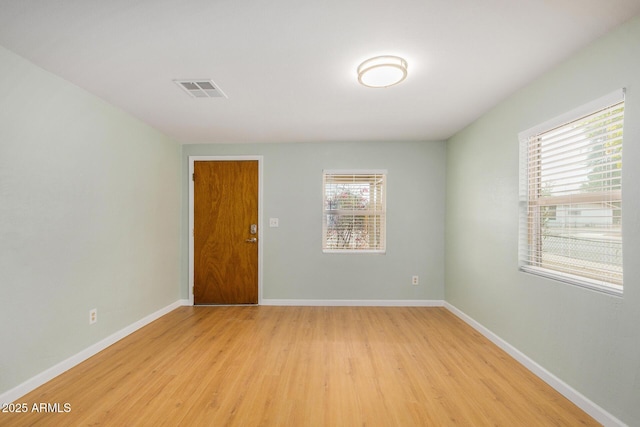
<point>192,160</point>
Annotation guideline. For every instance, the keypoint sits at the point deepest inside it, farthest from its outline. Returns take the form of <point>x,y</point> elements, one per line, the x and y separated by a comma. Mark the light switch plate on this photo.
<point>273,222</point>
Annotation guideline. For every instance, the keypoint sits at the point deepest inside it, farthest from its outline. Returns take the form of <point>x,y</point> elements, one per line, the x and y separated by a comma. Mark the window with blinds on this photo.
<point>571,189</point>
<point>354,204</point>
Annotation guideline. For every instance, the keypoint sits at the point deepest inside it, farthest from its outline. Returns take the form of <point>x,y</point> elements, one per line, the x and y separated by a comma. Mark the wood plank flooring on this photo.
<point>302,366</point>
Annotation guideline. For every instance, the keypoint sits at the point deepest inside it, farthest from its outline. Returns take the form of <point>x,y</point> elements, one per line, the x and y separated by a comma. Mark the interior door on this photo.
<point>225,232</point>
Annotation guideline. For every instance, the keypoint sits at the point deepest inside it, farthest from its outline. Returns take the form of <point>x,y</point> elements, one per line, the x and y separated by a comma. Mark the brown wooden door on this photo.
<point>225,250</point>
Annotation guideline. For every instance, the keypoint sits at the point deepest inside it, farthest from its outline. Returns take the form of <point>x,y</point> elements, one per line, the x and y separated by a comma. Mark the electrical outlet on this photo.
<point>414,280</point>
<point>93,316</point>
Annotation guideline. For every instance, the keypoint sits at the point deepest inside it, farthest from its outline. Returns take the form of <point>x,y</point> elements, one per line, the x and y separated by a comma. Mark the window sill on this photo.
<point>610,289</point>
<point>353,251</point>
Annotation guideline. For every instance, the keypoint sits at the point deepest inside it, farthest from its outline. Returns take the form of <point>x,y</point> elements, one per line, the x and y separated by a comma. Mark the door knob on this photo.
<point>251,240</point>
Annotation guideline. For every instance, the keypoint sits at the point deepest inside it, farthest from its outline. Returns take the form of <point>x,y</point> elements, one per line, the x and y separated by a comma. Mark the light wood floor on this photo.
<point>302,366</point>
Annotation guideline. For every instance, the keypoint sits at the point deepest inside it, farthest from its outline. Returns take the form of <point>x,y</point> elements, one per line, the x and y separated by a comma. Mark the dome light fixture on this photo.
<point>382,71</point>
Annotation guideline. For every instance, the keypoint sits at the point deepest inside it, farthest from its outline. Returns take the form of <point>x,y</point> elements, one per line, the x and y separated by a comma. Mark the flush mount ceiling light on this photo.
<point>382,71</point>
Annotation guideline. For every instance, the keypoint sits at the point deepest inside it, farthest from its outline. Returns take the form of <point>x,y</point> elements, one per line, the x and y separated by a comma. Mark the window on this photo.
<point>354,204</point>
<point>571,197</point>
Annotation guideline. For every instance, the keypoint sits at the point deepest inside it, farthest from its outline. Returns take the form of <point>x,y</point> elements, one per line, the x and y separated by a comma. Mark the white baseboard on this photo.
<point>595,411</point>
<point>43,377</point>
<point>353,303</point>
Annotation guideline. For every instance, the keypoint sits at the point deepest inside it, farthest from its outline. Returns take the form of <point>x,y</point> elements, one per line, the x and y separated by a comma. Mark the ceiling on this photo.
<point>288,67</point>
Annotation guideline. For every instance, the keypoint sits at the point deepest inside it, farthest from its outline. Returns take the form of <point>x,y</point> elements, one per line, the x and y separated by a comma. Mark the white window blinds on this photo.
<point>354,204</point>
<point>571,226</point>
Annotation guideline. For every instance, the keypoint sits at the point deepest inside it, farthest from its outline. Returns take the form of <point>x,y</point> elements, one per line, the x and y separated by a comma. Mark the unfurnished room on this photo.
<point>250,213</point>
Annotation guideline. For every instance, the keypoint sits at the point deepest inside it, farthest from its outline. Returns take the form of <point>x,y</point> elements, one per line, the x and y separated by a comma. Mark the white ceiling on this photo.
<point>289,66</point>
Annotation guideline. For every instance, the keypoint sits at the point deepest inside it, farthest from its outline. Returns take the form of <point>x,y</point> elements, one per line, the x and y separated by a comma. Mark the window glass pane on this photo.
<point>354,217</point>
<point>573,226</point>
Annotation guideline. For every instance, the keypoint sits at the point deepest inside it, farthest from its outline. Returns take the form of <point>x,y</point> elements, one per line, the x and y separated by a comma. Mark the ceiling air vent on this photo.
<point>201,88</point>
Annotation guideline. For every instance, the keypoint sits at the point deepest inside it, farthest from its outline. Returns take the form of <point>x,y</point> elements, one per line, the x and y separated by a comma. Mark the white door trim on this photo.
<point>192,160</point>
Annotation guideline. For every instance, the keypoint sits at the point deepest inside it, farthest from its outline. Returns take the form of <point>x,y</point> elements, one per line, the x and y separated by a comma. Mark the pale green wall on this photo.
<point>294,265</point>
<point>589,340</point>
<point>89,218</point>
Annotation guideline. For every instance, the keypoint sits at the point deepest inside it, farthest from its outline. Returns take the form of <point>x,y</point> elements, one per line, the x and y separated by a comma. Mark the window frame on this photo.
<point>379,211</point>
<point>525,230</point>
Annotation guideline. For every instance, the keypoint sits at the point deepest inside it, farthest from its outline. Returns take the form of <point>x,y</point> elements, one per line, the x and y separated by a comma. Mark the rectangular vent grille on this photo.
<point>201,88</point>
